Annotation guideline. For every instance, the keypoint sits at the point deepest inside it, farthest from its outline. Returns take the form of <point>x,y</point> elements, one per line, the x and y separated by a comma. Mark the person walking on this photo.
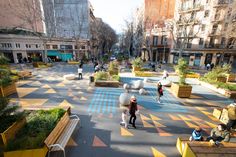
<point>165,75</point>
<point>133,108</point>
<point>124,117</point>
<point>159,92</point>
<point>80,72</point>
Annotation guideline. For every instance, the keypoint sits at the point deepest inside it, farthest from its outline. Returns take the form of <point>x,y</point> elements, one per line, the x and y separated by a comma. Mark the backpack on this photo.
<point>232,113</point>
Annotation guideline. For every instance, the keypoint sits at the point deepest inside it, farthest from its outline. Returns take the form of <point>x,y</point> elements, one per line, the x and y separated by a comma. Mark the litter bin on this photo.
<point>91,79</point>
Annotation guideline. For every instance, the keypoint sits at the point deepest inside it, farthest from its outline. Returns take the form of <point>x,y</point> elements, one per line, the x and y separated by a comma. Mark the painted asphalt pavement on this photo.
<point>158,125</point>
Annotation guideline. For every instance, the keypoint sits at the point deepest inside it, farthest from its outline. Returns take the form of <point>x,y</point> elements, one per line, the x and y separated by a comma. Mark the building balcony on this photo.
<point>189,22</point>
<point>214,46</point>
<point>221,3</point>
<point>196,7</point>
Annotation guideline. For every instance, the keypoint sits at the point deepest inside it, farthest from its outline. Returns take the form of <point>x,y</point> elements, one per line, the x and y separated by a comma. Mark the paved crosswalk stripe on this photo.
<point>157,124</point>
<point>154,117</point>
<point>191,125</point>
<point>174,117</point>
<point>144,117</point>
<point>194,118</point>
<point>183,117</point>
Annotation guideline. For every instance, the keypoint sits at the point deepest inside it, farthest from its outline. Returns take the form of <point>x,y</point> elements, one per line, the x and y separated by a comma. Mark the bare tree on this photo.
<point>185,29</point>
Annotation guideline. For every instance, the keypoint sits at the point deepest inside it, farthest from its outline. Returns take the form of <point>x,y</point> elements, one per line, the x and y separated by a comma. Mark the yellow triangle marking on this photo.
<point>183,117</point>
<point>202,125</point>
<point>190,125</point>
<point>211,124</point>
<point>36,83</point>
<point>156,153</point>
<point>46,86</point>
<point>83,98</point>
<point>154,117</point>
<point>174,117</point>
<point>213,118</point>
<point>144,117</point>
<point>60,85</point>
<point>65,103</point>
<point>157,124</point>
<point>201,108</point>
<point>25,91</point>
<point>23,82</point>
<point>147,125</point>
<point>32,102</point>
<point>71,142</point>
<point>125,132</point>
<point>163,133</point>
<point>194,118</point>
<point>51,91</point>
<point>206,113</point>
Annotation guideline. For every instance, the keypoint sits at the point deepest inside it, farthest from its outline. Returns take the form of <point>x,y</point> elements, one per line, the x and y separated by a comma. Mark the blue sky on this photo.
<point>114,12</point>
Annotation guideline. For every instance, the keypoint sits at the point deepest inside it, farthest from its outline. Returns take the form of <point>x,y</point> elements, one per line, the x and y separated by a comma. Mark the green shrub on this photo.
<point>115,77</point>
<point>145,69</point>
<point>3,60</point>
<point>38,127</point>
<point>8,114</point>
<point>137,62</point>
<point>113,68</point>
<point>182,69</point>
<point>5,79</point>
<point>101,75</point>
<point>218,71</point>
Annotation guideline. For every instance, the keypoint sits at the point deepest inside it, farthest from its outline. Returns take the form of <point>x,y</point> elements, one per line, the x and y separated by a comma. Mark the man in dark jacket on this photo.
<point>219,134</point>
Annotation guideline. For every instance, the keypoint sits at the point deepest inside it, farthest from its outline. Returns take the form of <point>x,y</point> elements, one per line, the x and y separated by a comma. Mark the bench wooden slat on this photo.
<point>66,134</point>
<point>213,150</point>
<point>216,155</point>
<point>54,135</point>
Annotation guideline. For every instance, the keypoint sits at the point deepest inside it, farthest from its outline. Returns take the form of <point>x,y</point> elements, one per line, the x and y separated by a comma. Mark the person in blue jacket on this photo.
<point>196,135</point>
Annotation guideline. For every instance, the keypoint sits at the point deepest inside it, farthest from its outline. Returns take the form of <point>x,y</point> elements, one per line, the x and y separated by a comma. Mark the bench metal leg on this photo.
<point>56,145</point>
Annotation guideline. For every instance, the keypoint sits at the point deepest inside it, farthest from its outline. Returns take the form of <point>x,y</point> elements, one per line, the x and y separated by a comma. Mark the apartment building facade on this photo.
<point>203,32</point>
<point>18,45</point>
<point>158,38</point>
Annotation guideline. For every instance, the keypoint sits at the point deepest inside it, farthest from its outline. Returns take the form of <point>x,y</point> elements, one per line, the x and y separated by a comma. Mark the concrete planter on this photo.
<point>221,79</point>
<point>225,92</point>
<point>11,131</point>
<point>136,69</point>
<point>8,90</point>
<point>107,84</point>
<point>73,62</point>
<point>181,91</point>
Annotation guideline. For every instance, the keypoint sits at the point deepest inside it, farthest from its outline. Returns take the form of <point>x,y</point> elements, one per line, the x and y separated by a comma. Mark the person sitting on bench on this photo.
<point>219,134</point>
<point>196,135</point>
<point>80,70</point>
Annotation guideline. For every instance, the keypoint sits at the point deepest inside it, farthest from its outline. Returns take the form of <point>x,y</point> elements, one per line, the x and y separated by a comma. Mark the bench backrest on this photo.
<point>56,132</point>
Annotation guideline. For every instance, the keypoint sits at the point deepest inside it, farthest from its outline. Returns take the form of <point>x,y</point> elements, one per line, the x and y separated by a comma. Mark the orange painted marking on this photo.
<point>154,117</point>
<point>147,125</point>
<point>174,117</point>
<point>71,142</point>
<point>211,124</point>
<point>184,117</point>
<point>213,118</point>
<point>125,132</point>
<point>157,124</point>
<point>157,153</point>
<point>144,117</point>
<point>190,125</point>
<point>202,125</point>
<point>201,108</point>
<point>206,113</point>
<point>163,133</point>
<point>194,118</point>
<point>97,142</point>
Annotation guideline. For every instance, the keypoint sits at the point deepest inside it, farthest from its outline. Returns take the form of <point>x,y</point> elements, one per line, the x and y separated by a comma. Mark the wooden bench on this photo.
<point>59,137</point>
<point>205,149</point>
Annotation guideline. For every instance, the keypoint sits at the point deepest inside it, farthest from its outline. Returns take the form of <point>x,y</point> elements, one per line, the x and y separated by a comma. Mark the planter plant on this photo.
<point>113,68</point>
<point>181,89</point>
<point>137,64</point>
<point>7,86</point>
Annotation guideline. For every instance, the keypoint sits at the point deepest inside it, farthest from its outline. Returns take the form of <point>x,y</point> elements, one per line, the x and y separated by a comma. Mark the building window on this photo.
<point>29,46</point>
<point>26,45</point>
<point>189,44</point>
<point>17,45</point>
<point>47,46</point>
<point>206,13</point>
<point>203,28</point>
<point>223,40</point>
<point>54,46</point>
<point>76,47</point>
<point>155,40</point>
<point>201,40</point>
<point>229,13</point>
<point>83,47</point>
<point>226,26</point>
<point>36,46</point>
